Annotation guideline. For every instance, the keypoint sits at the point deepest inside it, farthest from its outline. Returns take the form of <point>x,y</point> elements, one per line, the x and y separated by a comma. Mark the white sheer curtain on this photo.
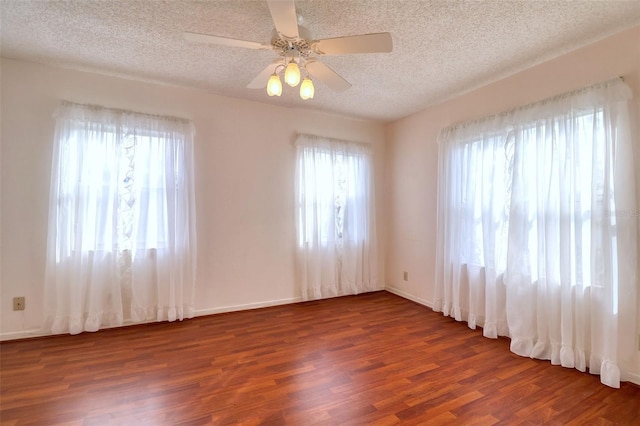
<point>335,218</point>
<point>121,239</point>
<point>537,229</point>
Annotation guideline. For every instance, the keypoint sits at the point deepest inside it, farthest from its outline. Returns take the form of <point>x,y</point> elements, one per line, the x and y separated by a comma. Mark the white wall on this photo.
<point>244,183</point>
<point>412,149</point>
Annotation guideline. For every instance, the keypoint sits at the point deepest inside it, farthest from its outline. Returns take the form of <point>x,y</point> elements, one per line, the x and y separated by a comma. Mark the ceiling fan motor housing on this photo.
<point>296,46</point>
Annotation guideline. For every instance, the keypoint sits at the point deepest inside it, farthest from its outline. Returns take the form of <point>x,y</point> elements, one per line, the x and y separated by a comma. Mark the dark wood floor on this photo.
<point>373,359</point>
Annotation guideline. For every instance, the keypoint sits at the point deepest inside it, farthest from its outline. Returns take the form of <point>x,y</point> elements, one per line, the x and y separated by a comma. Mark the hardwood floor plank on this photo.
<point>372,359</point>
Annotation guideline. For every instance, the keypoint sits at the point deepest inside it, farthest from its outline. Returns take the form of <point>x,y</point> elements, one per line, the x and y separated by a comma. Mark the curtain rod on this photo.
<point>331,139</point>
<point>532,104</point>
<point>94,107</point>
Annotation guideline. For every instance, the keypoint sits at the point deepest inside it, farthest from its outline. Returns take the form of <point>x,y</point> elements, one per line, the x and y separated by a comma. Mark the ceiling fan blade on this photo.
<point>260,82</point>
<point>365,43</point>
<point>283,13</point>
<point>225,41</point>
<point>326,75</point>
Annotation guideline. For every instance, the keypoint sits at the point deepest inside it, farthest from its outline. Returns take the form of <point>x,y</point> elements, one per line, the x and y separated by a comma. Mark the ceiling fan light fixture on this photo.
<point>274,86</point>
<point>292,74</point>
<point>306,89</point>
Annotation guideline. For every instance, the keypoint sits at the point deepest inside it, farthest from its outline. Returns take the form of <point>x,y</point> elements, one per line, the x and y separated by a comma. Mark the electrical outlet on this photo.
<point>405,276</point>
<point>18,303</point>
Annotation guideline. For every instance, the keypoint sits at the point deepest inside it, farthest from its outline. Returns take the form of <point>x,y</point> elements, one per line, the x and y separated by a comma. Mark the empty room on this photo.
<point>319,212</point>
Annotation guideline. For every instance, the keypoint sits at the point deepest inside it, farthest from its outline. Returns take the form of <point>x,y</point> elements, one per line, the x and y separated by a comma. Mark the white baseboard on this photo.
<point>634,378</point>
<point>411,297</point>
<point>36,332</point>
<point>24,334</point>
<point>245,307</point>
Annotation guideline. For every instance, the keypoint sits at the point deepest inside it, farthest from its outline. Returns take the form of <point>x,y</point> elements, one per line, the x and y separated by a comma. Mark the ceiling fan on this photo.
<point>297,52</point>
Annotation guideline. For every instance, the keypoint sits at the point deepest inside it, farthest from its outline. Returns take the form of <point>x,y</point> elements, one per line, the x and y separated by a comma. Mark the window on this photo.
<point>336,186</point>
<point>567,199</point>
<point>122,219</point>
<point>530,229</point>
<point>335,220</point>
<point>130,170</point>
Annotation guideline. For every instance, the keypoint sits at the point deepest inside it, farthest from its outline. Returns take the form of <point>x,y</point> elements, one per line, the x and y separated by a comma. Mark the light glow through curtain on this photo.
<point>121,238</point>
<point>335,218</point>
<point>537,223</point>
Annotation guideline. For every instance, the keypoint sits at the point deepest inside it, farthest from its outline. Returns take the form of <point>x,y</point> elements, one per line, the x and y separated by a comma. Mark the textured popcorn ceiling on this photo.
<point>441,48</point>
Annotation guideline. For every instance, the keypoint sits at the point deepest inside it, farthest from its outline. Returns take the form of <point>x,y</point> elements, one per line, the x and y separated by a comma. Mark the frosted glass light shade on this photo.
<point>274,86</point>
<point>292,74</point>
<point>306,89</point>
